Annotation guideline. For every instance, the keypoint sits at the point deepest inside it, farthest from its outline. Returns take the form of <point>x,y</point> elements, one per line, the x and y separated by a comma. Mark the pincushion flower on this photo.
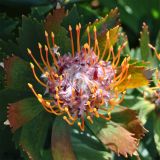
<point>81,84</point>
<point>81,80</point>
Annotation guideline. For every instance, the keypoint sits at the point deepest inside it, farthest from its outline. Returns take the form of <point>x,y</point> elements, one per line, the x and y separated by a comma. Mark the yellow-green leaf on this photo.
<point>139,77</point>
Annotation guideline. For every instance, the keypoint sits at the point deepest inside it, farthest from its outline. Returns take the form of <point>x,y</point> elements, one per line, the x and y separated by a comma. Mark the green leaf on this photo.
<point>144,41</point>
<point>7,150</point>
<point>6,51</point>
<point>33,137</point>
<point>158,42</point>
<point>73,18</point>
<point>61,141</point>
<point>53,24</point>
<point>138,63</point>
<point>87,146</point>
<point>86,13</point>
<point>39,12</point>
<point>157,133</point>
<point>23,111</point>
<point>24,2</point>
<point>7,26</point>
<point>149,141</point>
<point>108,22</point>
<point>18,74</point>
<point>142,106</point>
<point>30,34</point>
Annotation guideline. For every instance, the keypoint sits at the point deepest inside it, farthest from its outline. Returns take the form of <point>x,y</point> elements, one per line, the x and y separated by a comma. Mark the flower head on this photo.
<point>82,84</point>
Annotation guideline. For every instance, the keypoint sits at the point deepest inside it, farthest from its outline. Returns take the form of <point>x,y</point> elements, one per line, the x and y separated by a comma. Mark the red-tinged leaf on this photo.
<point>54,20</point>
<point>61,141</point>
<point>118,139</point>
<point>9,95</point>
<point>18,74</point>
<point>139,77</point>
<point>122,134</point>
<point>113,37</point>
<point>53,24</point>
<point>33,136</point>
<point>23,111</point>
<point>129,119</point>
<point>109,23</point>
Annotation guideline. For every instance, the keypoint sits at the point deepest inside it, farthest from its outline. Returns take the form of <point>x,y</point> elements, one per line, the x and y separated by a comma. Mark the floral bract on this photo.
<point>81,84</point>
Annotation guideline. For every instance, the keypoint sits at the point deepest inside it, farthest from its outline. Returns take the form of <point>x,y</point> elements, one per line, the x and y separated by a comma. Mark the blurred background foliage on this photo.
<point>18,18</point>
<point>132,14</point>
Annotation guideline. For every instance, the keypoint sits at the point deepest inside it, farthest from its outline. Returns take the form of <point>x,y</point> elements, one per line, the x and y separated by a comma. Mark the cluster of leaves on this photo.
<point>132,15</point>
<point>39,135</point>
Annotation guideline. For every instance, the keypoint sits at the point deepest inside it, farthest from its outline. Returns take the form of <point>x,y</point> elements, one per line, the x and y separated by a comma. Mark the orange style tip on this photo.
<point>100,91</point>
<point>29,51</point>
<point>124,92</point>
<point>66,109</point>
<point>128,59</point>
<point>61,77</point>
<point>56,88</point>
<point>127,66</point>
<point>86,46</point>
<point>97,115</point>
<point>31,64</point>
<point>79,123</point>
<point>94,29</point>
<point>125,43</point>
<point>79,25</point>
<point>88,117</point>
<point>39,45</point>
<point>107,34</point>
<point>95,109</point>
<point>57,96</point>
<point>30,85</point>
<point>48,103</point>
<point>88,103</point>
<point>52,34</point>
<point>73,90</point>
<point>149,45</point>
<point>96,41</point>
<point>64,117</point>
<point>70,28</point>
<point>129,77</point>
<point>56,75</point>
<point>46,48</point>
<point>46,34</point>
<point>39,96</point>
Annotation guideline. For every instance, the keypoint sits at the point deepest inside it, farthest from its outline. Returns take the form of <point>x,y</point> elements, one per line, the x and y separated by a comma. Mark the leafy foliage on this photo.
<point>38,135</point>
